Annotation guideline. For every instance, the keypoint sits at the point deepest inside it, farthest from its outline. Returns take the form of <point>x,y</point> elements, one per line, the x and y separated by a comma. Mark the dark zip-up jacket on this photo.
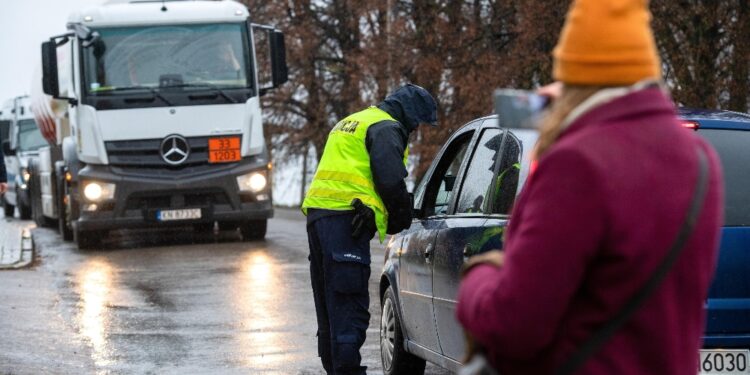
<point>386,142</point>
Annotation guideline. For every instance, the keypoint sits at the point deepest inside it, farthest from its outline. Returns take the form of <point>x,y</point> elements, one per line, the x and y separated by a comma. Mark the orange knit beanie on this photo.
<point>608,43</point>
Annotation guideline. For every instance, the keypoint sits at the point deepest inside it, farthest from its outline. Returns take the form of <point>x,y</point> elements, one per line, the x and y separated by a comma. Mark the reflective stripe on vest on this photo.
<point>344,170</point>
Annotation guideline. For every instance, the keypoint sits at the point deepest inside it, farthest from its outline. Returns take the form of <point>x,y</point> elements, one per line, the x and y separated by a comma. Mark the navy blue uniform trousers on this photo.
<point>340,272</point>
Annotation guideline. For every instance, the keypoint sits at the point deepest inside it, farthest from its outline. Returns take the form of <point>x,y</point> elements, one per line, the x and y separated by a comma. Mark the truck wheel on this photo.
<point>228,225</point>
<point>63,211</point>
<point>395,358</point>
<point>253,229</point>
<point>24,210</point>
<point>88,240</point>
<point>8,208</point>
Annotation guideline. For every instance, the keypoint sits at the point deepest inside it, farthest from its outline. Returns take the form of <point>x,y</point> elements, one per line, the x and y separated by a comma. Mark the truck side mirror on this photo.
<point>7,150</point>
<point>279,68</point>
<point>50,83</point>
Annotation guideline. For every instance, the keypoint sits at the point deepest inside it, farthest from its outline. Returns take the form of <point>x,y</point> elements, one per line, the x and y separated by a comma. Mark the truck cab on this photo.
<point>161,101</point>
<point>20,147</point>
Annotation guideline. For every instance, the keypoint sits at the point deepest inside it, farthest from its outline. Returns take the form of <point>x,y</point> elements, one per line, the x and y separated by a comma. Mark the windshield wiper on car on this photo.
<point>206,85</point>
<point>152,90</point>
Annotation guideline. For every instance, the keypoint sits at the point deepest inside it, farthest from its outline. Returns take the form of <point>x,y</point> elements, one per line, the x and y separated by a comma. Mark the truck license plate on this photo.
<point>725,361</point>
<point>186,214</point>
<point>224,150</point>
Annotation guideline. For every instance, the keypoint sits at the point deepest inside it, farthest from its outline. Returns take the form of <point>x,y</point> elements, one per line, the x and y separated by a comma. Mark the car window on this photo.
<point>479,174</point>
<point>442,184</point>
<point>732,147</point>
<point>489,185</point>
<point>527,139</point>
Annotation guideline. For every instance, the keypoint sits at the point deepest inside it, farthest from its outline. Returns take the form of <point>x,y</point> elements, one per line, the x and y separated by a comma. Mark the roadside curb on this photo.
<point>20,250</point>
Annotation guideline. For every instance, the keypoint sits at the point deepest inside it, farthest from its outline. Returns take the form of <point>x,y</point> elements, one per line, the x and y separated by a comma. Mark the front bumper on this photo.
<point>141,192</point>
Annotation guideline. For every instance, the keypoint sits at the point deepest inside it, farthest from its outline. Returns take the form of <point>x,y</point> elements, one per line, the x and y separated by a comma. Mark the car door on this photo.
<point>434,199</point>
<point>475,226</point>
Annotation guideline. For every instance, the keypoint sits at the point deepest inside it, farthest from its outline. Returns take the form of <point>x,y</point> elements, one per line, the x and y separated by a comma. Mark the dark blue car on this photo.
<point>462,207</point>
<point>728,304</point>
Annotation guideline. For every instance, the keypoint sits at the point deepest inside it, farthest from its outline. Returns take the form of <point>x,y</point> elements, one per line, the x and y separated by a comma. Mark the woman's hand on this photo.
<point>3,187</point>
<point>552,91</point>
<point>494,258</point>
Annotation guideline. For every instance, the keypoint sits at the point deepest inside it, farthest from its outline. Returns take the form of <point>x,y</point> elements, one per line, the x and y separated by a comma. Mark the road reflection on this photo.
<point>94,283</point>
<point>257,300</point>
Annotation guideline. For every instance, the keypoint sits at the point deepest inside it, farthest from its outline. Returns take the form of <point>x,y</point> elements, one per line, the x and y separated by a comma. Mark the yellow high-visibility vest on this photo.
<point>344,170</point>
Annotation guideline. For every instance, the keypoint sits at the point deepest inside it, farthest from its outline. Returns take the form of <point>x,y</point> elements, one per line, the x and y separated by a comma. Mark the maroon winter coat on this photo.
<point>591,225</point>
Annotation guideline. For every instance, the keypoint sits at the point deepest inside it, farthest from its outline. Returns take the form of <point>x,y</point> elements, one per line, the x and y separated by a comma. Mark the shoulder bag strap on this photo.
<point>600,337</point>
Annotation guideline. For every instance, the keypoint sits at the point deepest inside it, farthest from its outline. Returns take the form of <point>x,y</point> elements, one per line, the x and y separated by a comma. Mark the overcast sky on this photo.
<point>24,25</point>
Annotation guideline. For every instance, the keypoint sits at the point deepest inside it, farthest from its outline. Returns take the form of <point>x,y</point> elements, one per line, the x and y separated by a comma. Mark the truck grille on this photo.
<point>145,153</point>
<point>177,199</point>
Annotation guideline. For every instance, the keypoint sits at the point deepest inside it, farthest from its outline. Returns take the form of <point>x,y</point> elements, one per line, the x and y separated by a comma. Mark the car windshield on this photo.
<point>732,147</point>
<point>158,56</point>
<point>29,136</point>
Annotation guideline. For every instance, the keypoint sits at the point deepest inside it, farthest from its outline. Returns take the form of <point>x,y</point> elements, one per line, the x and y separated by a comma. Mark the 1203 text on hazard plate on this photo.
<point>224,150</point>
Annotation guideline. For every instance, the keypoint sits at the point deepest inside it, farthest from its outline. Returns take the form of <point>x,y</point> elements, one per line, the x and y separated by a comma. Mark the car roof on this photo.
<point>706,118</point>
<point>716,119</point>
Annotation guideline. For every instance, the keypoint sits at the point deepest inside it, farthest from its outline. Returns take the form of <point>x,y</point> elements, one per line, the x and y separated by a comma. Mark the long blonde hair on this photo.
<point>552,123</point>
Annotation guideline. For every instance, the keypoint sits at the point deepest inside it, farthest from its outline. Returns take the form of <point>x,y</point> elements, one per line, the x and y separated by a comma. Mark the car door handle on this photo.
<point>428,252</point>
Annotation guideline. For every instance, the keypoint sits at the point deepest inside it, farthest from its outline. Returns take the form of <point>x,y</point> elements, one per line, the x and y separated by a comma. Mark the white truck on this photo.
<point>21,140</point>
<point>152,110</point>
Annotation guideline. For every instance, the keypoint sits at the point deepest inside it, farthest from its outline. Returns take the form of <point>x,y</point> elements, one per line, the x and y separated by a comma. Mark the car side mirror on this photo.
<point>7,150</point>
<point>450,182</point>
<point>416,212</point>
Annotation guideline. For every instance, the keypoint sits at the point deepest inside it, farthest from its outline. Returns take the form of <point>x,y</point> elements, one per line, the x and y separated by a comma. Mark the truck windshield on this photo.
<point>29,136</point>
<point>161,56</point>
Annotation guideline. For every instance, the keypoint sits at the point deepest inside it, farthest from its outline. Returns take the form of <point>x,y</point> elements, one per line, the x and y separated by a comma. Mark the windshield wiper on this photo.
<point>152,90</point>
<point>207,85</point>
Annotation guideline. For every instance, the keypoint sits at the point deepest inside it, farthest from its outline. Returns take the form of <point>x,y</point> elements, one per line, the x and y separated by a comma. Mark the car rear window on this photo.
<point>733,147</point>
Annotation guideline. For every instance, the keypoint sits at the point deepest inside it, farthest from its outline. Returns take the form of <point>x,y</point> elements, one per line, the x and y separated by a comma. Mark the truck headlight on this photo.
<point>98,191</point>
<point>253,182</point>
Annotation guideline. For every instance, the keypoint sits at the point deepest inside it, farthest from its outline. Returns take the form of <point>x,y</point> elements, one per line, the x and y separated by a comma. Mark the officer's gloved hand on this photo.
<point>399,220</point>
<point>364,219</point>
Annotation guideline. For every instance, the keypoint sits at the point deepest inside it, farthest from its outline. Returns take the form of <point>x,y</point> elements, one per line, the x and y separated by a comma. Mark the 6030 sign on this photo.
<point>724,362</point>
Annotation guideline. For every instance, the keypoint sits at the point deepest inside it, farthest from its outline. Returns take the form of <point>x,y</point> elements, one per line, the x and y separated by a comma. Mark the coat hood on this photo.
<point>411,105</point>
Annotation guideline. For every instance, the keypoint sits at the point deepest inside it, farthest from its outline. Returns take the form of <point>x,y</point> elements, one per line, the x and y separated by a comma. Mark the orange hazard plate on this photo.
<point>224,150</point>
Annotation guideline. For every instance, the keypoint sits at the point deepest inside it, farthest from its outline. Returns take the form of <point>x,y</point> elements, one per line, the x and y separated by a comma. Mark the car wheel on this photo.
<point>396,360</point>
<point>8,208</point>
<point>87,240</point>
<point>253,229</point>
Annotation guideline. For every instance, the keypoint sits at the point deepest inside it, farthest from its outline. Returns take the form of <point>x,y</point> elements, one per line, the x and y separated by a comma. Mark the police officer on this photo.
<point>358,190</point>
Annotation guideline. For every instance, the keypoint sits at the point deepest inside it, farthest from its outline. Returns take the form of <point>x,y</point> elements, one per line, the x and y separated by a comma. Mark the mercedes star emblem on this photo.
<point>174,149</point>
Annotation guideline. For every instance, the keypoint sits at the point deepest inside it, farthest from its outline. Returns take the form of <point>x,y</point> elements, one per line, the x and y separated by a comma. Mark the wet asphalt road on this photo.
<point>170,302</point>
